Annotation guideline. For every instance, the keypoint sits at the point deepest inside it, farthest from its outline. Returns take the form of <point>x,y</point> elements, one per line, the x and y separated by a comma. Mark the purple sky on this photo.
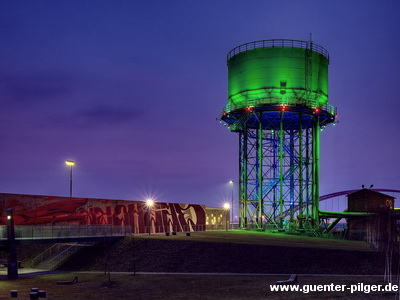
<point>131,91</point>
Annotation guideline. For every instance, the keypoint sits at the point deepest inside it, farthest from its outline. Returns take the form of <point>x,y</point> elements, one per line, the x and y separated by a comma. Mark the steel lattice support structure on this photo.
<point>277,104</point>
<point>278,165</point>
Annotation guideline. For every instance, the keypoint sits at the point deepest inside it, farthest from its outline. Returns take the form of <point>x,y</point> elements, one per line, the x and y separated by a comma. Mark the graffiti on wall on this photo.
<point>53,210</point>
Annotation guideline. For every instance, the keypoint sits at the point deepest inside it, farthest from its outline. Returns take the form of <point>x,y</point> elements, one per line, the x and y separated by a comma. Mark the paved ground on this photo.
<point>27,273</point>
<point>124,285</point>
<point>31,272</point>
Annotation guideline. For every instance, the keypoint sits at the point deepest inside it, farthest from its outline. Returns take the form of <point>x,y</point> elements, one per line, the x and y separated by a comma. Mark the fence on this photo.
<point>76,231</point>
<point>63,231</point>
<point>172,228</point>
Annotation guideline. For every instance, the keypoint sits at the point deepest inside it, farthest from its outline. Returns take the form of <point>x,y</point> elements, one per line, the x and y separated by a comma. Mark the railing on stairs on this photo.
<point>46,253</point>
<point>61,257</point>
<point>54,256</point>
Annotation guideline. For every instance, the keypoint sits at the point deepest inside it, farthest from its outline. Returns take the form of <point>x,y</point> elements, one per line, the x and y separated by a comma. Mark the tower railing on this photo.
<point>272,102</point>
<point>278,43</point>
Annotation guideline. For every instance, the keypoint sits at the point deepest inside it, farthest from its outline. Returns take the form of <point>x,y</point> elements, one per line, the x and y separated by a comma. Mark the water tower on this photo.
<point>278,105</point>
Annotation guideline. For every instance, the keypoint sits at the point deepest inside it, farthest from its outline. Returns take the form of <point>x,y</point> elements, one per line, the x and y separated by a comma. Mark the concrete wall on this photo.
<point>54,210</point>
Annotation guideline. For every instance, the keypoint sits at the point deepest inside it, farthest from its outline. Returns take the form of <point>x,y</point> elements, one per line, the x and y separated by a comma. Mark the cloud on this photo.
<point>107,115</point>
<point>61,100</point>
<point>92,118</point>
<point>34,88</point>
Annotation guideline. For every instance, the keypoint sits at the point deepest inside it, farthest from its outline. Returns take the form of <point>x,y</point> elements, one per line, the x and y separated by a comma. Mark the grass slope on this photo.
<point>232,252</point>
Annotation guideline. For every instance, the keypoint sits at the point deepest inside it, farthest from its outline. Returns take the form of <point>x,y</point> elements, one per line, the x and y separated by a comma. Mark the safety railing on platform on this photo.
<point>274,102</point>
<point>278,43</point>
<point>65,231</point>
<point>75,231</point>
<point>173,228</point>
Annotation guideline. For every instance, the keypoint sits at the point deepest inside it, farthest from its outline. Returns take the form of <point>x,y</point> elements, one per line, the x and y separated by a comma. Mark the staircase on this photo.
<point>55,256</point>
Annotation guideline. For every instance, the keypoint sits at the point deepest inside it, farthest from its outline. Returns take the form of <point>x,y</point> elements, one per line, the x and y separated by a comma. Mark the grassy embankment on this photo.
<point>233,252</point>
<point>225,252</point>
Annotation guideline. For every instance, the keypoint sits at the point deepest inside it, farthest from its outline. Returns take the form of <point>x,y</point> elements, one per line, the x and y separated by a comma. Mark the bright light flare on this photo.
<point>70,162</point>
<point>227,206</point>
<point>149,202</point>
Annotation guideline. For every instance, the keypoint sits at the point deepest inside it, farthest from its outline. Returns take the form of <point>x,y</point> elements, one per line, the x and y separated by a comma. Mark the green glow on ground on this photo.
<point>266,238</point>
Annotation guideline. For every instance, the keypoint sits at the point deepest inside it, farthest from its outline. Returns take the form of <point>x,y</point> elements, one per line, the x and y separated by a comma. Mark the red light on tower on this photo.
<point>316,111</point>
<point>249,108</point>
<point>283,107</point>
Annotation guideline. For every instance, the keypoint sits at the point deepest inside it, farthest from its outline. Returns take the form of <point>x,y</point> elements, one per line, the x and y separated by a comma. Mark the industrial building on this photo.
<point>377,220</point>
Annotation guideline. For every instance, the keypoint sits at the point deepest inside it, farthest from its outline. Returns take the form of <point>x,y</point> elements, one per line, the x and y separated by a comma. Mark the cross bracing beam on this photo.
<point>277,171</point>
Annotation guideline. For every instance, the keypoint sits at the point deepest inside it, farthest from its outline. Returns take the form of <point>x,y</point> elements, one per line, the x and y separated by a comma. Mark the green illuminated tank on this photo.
<point>278,72</point>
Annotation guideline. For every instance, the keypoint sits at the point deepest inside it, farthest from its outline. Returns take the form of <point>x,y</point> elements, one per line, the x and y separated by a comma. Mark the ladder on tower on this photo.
<point>308,70</point>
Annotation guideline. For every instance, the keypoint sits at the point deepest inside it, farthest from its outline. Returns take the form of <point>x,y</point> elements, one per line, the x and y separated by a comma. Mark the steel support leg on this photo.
<point>316,157</point>
<point>260,180</point>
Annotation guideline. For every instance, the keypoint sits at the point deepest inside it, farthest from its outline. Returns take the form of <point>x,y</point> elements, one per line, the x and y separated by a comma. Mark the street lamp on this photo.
<point>232,182</point>
<point>70,163</point>
<point>12,263</point>
<point>149,204</point>
<point>227,207</point>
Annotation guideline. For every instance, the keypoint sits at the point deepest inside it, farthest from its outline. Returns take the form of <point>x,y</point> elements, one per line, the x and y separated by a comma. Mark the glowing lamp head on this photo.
<point>227,206</point>
<point>231,181</point>
<point>70,162</point>
<point>8,217</point>
<point>149,202</point>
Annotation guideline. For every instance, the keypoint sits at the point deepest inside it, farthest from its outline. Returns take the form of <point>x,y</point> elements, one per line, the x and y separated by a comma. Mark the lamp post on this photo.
<point>12,263</point>
<point>227,207</point>
<point>70,163</point>
<point>232,183</point>
<point>149,204</point>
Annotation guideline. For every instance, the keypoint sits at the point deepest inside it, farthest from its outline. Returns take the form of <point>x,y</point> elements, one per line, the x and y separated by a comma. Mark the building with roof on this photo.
<point>378,223</point>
